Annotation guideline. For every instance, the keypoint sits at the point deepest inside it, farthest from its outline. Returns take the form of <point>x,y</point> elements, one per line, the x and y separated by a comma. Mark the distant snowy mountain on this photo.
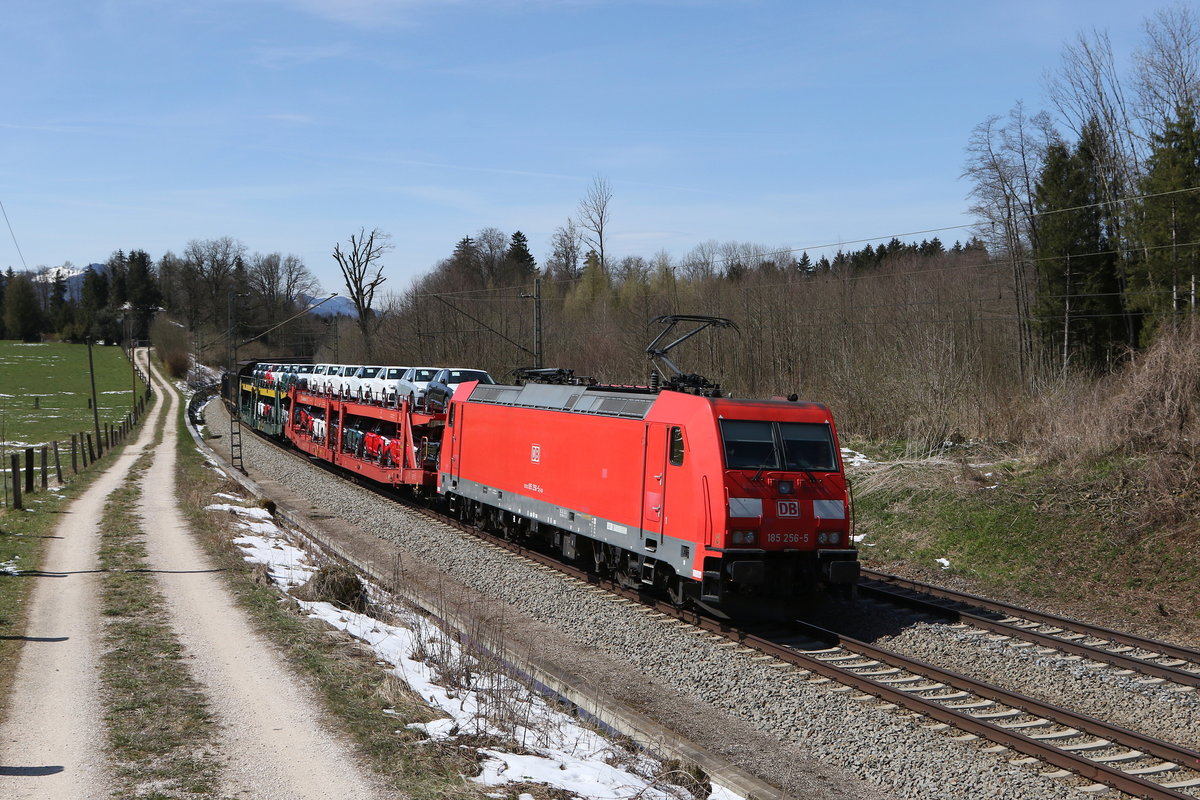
<point>338,306</point>
<point>51,274</point>
<point>72,277</point>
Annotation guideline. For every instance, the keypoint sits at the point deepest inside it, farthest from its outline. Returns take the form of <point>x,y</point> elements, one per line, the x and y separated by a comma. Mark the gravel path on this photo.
<point>820,723</point>
<point>52,741</point>
<point>275,743</point>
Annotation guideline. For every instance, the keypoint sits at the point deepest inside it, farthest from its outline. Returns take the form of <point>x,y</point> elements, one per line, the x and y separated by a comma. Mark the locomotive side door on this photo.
<point>654,480</point>
<point>452,464</point>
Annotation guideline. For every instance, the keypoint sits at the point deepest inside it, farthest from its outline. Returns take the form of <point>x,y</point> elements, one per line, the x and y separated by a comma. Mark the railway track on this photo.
<point>1159,661</point>
<point>1111,756</point>
<point>1070,744</point>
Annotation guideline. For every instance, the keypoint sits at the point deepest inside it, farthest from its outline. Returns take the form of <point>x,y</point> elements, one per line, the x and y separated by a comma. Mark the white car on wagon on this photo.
<point>414,382</point>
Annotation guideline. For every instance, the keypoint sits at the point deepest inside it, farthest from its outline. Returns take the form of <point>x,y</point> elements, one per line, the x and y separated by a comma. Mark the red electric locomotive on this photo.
<point>732,503</point>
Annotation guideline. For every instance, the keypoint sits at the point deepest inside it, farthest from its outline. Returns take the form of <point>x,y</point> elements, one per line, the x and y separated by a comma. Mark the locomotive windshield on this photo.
<point>751,444</point>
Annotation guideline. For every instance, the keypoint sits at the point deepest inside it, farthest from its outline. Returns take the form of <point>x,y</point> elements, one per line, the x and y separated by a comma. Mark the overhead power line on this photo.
<point>14,236</point>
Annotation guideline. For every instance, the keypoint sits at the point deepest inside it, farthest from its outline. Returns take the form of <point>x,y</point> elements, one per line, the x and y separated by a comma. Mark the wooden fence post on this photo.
<point>45,451</point>
<point>91,450</point>
<point>16,478</point>
<point>28,470</point>
<point>57,464</point>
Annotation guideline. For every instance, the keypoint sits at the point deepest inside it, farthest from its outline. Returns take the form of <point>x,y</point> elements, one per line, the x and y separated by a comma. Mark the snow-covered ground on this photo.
<point>852,459</point>
<point>556,749</point>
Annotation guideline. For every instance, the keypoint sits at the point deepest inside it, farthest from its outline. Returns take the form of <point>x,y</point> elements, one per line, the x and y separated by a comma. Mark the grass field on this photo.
<point>55,377</point>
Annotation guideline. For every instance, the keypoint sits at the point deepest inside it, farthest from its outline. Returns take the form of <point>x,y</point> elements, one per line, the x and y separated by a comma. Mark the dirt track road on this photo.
<point>273,741</point>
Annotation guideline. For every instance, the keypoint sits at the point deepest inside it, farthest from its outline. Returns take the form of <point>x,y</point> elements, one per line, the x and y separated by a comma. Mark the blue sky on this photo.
<point>290,124</point>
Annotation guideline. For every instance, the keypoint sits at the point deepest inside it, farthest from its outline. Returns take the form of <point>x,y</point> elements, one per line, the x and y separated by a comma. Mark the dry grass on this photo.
<point>1131,440</point>
<point>171,346</point>
<point>336,584</point>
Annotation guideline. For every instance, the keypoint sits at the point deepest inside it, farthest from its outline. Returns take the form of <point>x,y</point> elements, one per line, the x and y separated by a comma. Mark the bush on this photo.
<point>170,339</point>
<point>334,584</point>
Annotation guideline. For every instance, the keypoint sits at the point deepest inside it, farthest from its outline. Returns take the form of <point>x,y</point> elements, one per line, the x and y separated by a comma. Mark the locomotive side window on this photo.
<point>778,445</point>
<point>677,446</point>
<point>807,445</point>
<point>749,445</point>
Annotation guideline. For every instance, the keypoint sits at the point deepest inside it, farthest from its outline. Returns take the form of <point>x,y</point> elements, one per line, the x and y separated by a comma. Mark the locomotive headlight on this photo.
<point>822,538</point>
<point>741,537</point>
<point>787,487</point>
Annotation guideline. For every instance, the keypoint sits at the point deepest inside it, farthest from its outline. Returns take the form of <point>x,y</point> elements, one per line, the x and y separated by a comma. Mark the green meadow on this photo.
<point>45,389</point>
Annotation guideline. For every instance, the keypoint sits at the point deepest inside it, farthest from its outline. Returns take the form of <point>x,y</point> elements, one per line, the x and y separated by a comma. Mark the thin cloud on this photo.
<point>278,57</point>
<point>293,119</point>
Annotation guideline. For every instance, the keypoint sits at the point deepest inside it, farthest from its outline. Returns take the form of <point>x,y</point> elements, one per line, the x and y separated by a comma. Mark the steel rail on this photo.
<point>1102,773</point>
<point>1096,652</point>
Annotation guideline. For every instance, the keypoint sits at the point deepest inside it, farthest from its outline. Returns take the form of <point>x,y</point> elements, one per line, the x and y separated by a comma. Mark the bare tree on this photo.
<point>594,214</point>
<point>491,244</point>
<point>212,264</point>
<point>1087,90</point>
<point>701,261</point>
<point>566,250</point>
<point>1168,67</point>
<point>1004,160</point>
<point>363,272</point>
<point>277,282</point>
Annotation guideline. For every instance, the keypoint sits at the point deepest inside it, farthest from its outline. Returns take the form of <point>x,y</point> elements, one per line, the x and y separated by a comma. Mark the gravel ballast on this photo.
<point>811,738</point>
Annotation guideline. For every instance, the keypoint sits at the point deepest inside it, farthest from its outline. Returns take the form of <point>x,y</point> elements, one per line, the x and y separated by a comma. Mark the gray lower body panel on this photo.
<point>677,553</point>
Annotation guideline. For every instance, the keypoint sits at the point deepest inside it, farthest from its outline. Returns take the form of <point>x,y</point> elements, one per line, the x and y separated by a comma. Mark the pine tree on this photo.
<point>1169,225</point>
<point>466,265</point>
<point>4,279</point>
<point>144,293</point>
<point>22,315</point>
<point>1078,305</point>
<point>519,264</point>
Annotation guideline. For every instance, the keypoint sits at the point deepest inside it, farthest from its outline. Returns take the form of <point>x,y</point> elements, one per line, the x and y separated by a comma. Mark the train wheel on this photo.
<point>599,563</point>
<point>675,591</point>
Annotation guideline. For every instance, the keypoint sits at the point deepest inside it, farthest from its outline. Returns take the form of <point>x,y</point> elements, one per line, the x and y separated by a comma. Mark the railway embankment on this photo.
<point>1075,540</point>
<point>800,732</point>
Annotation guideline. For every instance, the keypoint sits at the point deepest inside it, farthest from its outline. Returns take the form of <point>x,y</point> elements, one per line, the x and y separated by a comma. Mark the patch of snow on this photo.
<point>852,459</point>
<point>254,512</point>
<point>945,562</point>
<point>557,750</point>
<point>10,567</point>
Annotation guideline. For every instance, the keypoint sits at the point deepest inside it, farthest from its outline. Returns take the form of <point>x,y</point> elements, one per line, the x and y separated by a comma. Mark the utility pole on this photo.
<point>95,407</point>
<point>235,384</point>
<point>537,322</point>
<point>132,367</point>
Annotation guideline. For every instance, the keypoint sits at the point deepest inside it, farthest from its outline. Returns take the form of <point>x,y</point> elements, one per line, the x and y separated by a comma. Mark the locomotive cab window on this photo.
<point>677,446</point>
<point>751,444</point>
<point>807,445</point>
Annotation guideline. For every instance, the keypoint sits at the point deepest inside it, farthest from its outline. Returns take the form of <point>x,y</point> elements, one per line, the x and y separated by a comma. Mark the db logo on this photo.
<point>535,454</point>
<point>788,508</point>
